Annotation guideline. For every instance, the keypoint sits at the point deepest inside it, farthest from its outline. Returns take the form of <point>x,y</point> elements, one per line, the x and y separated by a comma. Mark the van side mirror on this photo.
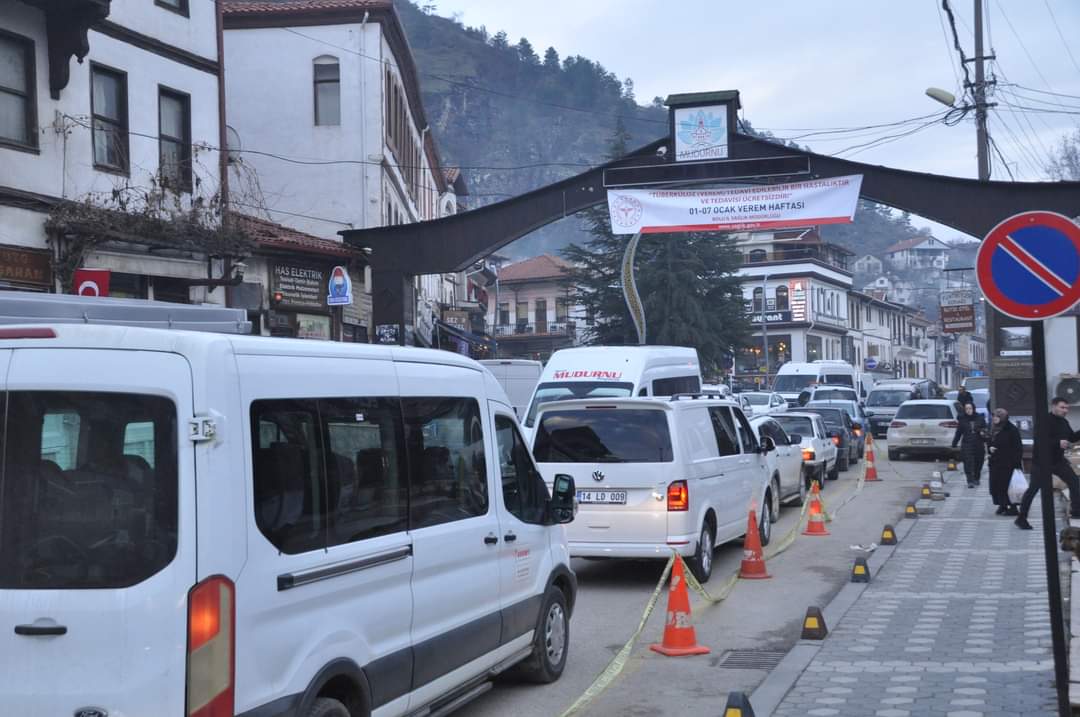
<point>767,444</point>
<point>563,496</point>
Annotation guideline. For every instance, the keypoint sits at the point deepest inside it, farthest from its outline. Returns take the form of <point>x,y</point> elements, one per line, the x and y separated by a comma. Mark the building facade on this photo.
<point>532,314</point>
<point>922,252</point>
<point>109,148</point>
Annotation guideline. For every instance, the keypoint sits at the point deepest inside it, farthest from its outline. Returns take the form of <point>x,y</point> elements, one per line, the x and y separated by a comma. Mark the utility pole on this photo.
<point>765,326</point>
<point>982,138</point>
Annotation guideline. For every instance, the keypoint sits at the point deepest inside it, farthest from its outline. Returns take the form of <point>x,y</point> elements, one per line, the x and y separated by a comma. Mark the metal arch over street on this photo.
<point>457,242</point>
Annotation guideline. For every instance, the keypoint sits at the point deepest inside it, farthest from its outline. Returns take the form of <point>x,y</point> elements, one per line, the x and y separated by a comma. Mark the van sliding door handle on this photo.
<point>40,630</point>
<point>491,539</point>
<point>509,537</point>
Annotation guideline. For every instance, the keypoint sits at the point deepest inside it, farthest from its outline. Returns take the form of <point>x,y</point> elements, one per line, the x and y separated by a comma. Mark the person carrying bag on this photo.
<point>1006,460</point>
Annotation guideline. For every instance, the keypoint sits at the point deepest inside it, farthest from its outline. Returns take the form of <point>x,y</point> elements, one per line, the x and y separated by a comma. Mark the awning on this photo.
<point>474,339</point>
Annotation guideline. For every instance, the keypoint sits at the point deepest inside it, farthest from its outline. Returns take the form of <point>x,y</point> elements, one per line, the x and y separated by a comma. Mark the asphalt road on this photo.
<point>762,615</point>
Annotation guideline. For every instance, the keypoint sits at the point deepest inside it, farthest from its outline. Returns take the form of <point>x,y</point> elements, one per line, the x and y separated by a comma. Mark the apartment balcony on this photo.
<point>524,329</point>
<point>829,258</point>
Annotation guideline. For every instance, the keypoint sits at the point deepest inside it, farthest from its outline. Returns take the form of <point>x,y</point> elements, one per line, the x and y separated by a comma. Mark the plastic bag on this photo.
<point>1018,485</point>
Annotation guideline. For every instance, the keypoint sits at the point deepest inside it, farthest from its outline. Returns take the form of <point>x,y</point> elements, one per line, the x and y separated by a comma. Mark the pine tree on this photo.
<point>526,53</point>
<point>551,59</point>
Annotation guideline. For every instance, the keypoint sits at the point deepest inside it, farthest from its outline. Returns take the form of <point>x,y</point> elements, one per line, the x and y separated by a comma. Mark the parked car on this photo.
<point>785,463</point>
<point>883,401</point>
<point>193,523</point>
<point>819,453</point>
<point>761,402</point>
<point>842,432</point>
<point>834,393</point>
<point>656,475</point>
<point>924,427</point>
<point>858,421</point>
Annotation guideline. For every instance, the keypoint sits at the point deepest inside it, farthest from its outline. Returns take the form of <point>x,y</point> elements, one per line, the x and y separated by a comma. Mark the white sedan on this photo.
<point>925,427</point>
<point>761,402</point>
<point>785,464</point>
<point>819,453</point>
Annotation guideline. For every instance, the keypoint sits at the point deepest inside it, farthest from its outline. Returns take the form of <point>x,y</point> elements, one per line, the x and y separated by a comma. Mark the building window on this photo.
<point>108,106</point>
<point>560,309</point>
<point>758,255</point>
<point>759,296</point>
<point>504,314</point>
<point>813,348</point>
<point>18,109</point>
<point>540,309</point>
<point>327,91</point>
<point>174,139</point>
<point>782,298</point>
<point>178,6</point>
<point>521,314</point>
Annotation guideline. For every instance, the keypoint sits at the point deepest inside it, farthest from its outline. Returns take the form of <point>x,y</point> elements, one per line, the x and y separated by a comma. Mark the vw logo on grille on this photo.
<point>598,475</point>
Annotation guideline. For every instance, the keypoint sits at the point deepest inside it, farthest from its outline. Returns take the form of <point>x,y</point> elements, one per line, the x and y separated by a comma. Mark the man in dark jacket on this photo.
<point>964,397</point>
<point>1006,455</point>
<point>1049,455</point>
<point>971,429</point>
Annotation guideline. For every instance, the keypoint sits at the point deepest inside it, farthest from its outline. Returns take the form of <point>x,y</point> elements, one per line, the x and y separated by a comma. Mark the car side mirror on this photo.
<point>794,439</point>
<point>563,495</point>
<point>767,444</point>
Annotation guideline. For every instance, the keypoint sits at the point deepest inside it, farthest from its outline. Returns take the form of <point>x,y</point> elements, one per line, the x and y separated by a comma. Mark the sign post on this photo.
<point>1028,267</point>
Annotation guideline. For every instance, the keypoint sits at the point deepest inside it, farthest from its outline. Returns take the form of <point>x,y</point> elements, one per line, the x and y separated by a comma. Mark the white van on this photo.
<point>794,378</point>
<point>656,475</point>
<point>198,524</point>
<point>518,377</point>
<point>616,372</point>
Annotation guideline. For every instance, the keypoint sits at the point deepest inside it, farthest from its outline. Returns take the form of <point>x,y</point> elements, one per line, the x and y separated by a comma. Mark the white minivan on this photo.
<point>616,372</point>
<point>197,525</point>
<point>793,378</point>
<point>656,475</point>
<point>518,377</point>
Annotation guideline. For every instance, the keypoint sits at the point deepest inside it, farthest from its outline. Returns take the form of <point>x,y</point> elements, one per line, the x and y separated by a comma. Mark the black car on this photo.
<point>842,431</point>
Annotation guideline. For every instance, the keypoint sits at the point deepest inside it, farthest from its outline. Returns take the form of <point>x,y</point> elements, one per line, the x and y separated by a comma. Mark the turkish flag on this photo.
<point>91,282</point>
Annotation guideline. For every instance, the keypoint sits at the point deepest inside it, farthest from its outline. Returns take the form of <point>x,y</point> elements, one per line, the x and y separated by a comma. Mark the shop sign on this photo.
<point>958,319</point>
<point>298,286</point>
<point>340,287</point>
<point>25,266</point>
<point>797,291</point>
<point>458,319</point>
<point>387,333</point>
<point>771,316</point>
<point>310,326</point>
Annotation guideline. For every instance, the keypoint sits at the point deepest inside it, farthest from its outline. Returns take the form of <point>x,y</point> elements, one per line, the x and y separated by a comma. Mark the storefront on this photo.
<point>25,269</point>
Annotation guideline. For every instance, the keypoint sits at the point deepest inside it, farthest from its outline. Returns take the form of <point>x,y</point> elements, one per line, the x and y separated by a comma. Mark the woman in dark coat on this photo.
<point>971,434</point>
<point>1006,454</point>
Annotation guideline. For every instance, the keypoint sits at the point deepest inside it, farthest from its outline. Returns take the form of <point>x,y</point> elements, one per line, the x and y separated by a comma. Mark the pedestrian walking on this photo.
<point>1006,455</point>
<point>971,436</point>
<point>964,397</point>
<point>1049,459</point>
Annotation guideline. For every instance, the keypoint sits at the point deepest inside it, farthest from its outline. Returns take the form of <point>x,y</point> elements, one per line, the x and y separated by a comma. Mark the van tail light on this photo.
<point>808,454</point>
<point>211,651</point>
<point>678,496</point>
<point>897,424</point>
<point>948,424</point>
<point>836,440</point>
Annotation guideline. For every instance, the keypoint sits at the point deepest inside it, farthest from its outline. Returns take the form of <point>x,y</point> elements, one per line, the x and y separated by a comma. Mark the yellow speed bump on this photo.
<point>860,571</point>
<point>926,492</point>
<point>911,511</point>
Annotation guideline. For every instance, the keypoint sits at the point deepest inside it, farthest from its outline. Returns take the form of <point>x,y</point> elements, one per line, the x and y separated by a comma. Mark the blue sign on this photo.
<point>871,363</point>
<point>340,287</point>
<point>1028,267</point>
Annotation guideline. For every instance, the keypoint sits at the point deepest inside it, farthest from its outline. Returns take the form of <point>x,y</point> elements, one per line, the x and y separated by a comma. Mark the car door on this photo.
<point>522,502</point>
<point>730,502</point>
<point>454,525</point>
<point>753,473</point>
<point>788,459</point>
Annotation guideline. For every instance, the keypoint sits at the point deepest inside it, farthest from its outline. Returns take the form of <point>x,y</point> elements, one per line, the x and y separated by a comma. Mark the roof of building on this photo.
<point>544,266</point>
<point>232,7</point>
<point>911,243</point>
<point>270,235</point>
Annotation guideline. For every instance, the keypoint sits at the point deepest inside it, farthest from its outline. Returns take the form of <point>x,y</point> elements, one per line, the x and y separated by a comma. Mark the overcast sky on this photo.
<point>829,64</point>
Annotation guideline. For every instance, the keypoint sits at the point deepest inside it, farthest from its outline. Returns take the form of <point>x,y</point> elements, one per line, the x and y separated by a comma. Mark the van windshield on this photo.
<point>888,398</point>
<point>569,390</point>
<point>793,382</point>
<point>603,435</point>
<point>839,379</point>
<point>88,489</point>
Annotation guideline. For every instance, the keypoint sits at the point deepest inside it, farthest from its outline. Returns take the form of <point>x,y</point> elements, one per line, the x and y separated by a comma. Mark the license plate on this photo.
<point>922,442</point>
<point>609,497</point>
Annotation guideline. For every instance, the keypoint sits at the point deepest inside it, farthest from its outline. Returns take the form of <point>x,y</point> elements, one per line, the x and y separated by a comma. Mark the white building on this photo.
<point>145,76</point>
<point>922,252</point>
<point>868,264</point>
<point>334,86</point>
<point>532,313</point>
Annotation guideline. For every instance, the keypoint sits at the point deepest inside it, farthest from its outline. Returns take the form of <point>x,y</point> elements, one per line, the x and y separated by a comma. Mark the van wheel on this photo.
<point>551,641</point>
<point>326,707</point>
<point>834,473</point>
<point>765,527</point>
<point>701,563</point>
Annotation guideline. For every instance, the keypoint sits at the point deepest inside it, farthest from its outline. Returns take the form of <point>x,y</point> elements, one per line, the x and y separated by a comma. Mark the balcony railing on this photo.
<point>551,328</point>
<point>760,256</point>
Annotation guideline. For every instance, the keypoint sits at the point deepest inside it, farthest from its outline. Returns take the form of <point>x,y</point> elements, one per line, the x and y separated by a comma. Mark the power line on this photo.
<point>956,42</point>
<point>1004,162</point>
<point>948,49</point>
<point>1023,46</point>
<point>1044,92</point>
<point>1057,26</point>
<point>1026,152</point>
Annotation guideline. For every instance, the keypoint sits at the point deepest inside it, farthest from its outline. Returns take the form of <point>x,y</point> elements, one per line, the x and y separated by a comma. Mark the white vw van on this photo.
<point>656,475</point>
<point>616,372</point>
<point>793,378</point>
<point>201,525</point>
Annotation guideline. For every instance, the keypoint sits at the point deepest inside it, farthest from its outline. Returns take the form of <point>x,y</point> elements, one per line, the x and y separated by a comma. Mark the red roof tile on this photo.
<point>544,266</point>
<point>270,235</point>
<point>263,6</point>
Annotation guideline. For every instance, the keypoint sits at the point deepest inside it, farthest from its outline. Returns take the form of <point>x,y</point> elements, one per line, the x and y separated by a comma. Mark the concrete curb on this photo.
<point>771,692</point>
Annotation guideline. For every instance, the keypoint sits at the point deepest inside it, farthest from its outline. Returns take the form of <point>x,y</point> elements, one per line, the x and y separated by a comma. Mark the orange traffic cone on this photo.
<point>871,469</point>
<point>679,637</point>
<point>815,524</point>
<point>753,561</point>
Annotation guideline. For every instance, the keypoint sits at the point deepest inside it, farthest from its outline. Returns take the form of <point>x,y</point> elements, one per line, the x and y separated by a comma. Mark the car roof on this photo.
<point>929,402</point>
<point>795,414</point>
<point>664,403</point>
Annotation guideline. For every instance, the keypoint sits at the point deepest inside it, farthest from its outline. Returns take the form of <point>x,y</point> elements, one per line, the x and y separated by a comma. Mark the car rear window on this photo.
<point>888,398</point>
<point>796,424</point>
<point>88,489</point>
<point>831,416</point>
<point>835,394</point>
<point>603,435</point>
<point>916,411</point>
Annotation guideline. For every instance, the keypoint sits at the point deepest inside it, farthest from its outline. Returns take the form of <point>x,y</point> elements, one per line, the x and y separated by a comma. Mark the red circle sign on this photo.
<point>1028,266</point>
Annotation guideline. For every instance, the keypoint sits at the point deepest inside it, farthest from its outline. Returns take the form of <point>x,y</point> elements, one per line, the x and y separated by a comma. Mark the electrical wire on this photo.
<point>1026,151</point>
<point>1023,46</point>
<point>956,42</point>
<point>949,51</point>
<point>1004,162</point>
<point>1057,26</point>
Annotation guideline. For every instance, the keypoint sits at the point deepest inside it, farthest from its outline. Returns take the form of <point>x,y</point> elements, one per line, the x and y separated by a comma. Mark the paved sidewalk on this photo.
<point>955,623</point>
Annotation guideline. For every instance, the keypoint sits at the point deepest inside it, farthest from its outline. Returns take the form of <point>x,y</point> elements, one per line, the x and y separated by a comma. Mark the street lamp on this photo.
<point>946,98</point>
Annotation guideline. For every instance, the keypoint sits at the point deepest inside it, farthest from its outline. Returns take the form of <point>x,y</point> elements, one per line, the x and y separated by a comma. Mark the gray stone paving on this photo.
<point>955,623</point>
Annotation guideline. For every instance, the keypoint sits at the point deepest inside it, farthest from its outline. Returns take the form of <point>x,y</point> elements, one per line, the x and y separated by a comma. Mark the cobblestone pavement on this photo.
<point>956,623</point>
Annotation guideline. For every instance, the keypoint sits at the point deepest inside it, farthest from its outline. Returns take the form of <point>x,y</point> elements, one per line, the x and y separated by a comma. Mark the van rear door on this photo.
<point>621,459</point>
<point>97,531</point>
